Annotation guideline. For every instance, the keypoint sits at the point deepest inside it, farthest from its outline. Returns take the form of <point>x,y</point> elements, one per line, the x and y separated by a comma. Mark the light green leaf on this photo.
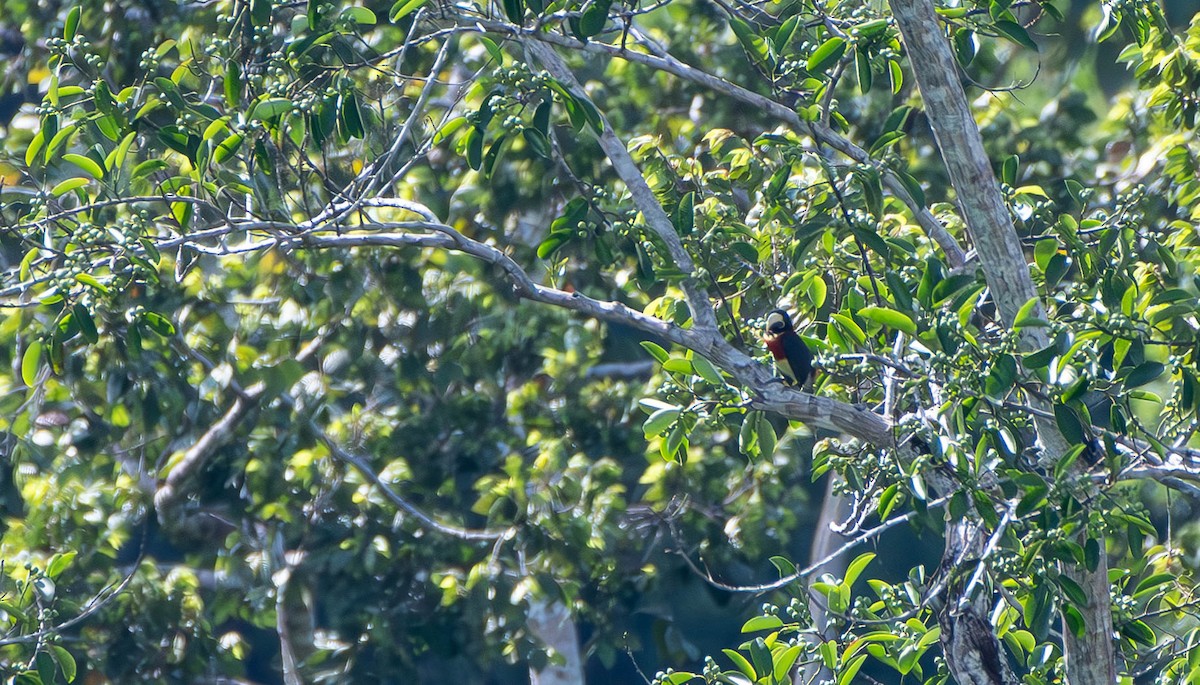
<point>655,351</point>
<point>68,185</point>
<point>88,164</point>
<point>827,54</point>
<point>707,370</point>
<point>31,362</point>
<point>92,282</point>
<point>890,318</point>
<point>360,15</point>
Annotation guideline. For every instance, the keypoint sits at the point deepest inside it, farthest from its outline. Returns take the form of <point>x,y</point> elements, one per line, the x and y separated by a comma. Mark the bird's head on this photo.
<point>778,322</point>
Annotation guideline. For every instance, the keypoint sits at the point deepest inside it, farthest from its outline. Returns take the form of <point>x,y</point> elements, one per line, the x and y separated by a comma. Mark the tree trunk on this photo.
<point>551,622</point>
<point>1091,660</point>
<point>834,509</point>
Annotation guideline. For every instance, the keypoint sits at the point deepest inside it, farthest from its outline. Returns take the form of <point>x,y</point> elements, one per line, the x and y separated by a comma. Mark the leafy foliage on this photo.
<point>340,338</point>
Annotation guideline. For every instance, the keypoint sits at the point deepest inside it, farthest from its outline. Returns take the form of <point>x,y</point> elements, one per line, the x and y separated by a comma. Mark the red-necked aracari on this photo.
<point>792,356</point>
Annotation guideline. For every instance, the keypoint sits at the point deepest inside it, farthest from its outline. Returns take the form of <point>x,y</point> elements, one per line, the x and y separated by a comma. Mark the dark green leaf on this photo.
<point>862,66</point>
<point>594,17</point>
<point>1069,424</point>
<point>1138,631</point>
<point>1143,374</point>
<point>1016,33</point>
<point>87,325</point>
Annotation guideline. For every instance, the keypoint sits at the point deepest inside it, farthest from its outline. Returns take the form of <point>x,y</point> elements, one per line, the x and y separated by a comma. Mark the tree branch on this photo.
<point>928,222</point>
<point>1091,658</point>
<point>655,216</point>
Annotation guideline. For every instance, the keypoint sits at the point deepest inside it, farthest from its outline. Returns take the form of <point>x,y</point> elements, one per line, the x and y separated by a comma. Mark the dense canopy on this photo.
<point>420,341</point>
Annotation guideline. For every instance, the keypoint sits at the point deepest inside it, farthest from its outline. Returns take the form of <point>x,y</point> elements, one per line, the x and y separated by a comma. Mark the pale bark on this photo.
<point>552,623</point>
<point>1090,660</point>
<point>834,509</point>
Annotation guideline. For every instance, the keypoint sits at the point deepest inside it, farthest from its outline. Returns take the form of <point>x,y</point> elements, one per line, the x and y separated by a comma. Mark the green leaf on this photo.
<point>897,76</point>
<point>594,17</point>
<point>31,362</point>
<point>159,323</point>
<point>403,8</point>
<point>660,421</point>
<point>492,48</point>
<point>269,109</point>
<point>183,212</point>
<point>35,146</point>
<point>784,660</point>
<point>88,164</point>
<point>474,148</point>
<point>783,565</point>
<point>92,282</point>
<point>1025,315</point>
<point>1069,424</point>
<point>884,141</point>
<point>1041,358</point>
<point>1074,620</point>
<point>1138,631</point>
<point>71,25</point>
<point>1072,590</point>
<point>1152,583</point>
<point>1008,170</point>
<point>1144,373</point>
<point>684,217</point>
<point>740,663</point>
<point>847,325</point>
<point>148,167</point>
<point>850,670</point>
<point>233,84</point>
<point>862,66</point>
<point>751,42</point>
<point>785,33</point>
<point>890,318</point>
<point>1091,554</point>
<point>760,655</point>
<point>360,15</point>
<point>765,431</point>
<point>655,351</point>
<point>66,662</point>
<point>228,147</point>
<point>911,185</point>
<point>762,623</point>
<point>538,142</point>
<point>1016,33</point>
<point>827,54</point>
<point>856,567</point>
<point>514,10</point>
<point>679,365</point>
<point>68,185</point>
<point>888,500</point>
<point>706,370</point>
<point>59,563</point>
<point>260,12</point>
<point>87,325</point>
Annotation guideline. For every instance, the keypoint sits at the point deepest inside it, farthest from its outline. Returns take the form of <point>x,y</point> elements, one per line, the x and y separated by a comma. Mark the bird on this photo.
<point>792,357</point>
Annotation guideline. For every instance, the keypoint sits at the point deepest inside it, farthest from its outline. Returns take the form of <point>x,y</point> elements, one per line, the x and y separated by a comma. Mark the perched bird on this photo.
<point>792,356</point>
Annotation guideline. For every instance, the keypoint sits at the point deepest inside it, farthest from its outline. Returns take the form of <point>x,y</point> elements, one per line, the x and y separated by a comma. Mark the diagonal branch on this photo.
<point>825,135</point>
<point>655,216</point>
